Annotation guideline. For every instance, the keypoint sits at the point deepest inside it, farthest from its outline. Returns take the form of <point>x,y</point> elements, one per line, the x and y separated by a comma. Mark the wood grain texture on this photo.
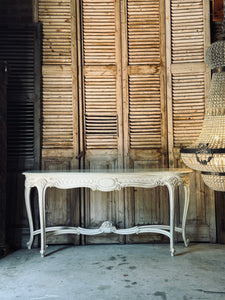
<point>108,102</point>
<point>187,34</point>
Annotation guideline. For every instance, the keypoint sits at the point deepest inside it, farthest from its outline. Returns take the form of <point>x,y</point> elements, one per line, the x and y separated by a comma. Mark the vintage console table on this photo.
<point>106,181</point>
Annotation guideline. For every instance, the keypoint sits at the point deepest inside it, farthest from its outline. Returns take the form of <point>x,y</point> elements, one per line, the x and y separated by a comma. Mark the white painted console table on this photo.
<point>106,181</point>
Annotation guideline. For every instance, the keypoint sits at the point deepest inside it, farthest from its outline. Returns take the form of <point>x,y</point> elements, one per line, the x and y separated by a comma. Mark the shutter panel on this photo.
<point>187,75</point>
<point>144,75</point>
<point>188,70</point>
<point>100,75</point>
<point>188,92</point>
<point>187,25</point>
<point>143,32</point>
<point>100,112</point>
<point>98,19</point>
<point>101,95</point>
<point>56,25</point>
<point>20,48</point>
<point>57,108</point>
<point>144,109</point>
<point>188,81</point>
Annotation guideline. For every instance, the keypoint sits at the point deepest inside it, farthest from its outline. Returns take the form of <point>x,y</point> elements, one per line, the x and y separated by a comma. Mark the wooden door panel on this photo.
<point>146,206</point>
<point>62,206</point>
<point>201,219</point>
<point>145,135</point>
<point>103,206</point>
<point>187,33</point>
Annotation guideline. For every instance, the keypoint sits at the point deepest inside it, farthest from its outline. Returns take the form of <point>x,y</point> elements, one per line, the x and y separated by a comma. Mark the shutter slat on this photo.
<point>188,111</point>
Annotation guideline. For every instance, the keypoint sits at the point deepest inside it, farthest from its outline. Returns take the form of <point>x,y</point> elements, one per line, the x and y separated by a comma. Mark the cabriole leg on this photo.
<point>29,214</point>
<point>186,205</point>
<point>171,199</point>
<point>41,201</point>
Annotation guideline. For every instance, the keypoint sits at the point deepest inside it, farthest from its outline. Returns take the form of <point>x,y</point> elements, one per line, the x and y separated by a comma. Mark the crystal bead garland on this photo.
<point>207,153</point>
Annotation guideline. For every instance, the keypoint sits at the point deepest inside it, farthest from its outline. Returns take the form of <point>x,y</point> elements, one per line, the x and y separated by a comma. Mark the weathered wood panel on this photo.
<point>188,37</point>
<point>146,206</point>
<point>103,206</point>
<point>60,109</point>
<point>220,217</point>
<point>218,10</point>
<point>110,58</point>
<point>57,108</point>
<point>145,134</point>
<point>101,96</point>
<point>62,206</point>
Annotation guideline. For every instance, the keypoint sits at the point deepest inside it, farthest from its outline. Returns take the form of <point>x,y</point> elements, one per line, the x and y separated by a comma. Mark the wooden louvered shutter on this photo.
<point>187,84</point>
<point>145,133</point>
<point>57,78</point>
<point>101,96</point>
<point>144,92</point>
<point>20,48</point>
<point>59,107</point>
<point>101,78</point>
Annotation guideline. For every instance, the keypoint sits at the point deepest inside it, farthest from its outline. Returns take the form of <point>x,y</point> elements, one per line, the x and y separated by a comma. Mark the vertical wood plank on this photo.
<point>220,217</point>
<point>169,85</point>
<point>218,10</point>
<point>3,156</point>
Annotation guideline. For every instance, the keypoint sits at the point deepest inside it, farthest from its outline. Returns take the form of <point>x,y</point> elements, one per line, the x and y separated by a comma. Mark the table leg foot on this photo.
<point>29,244</point>
<point>186,242</point>
<point>42,253</point>
<point>172,251</point>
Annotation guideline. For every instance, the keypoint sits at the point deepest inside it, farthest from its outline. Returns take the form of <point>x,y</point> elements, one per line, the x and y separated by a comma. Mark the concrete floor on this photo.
<point>131,272</point>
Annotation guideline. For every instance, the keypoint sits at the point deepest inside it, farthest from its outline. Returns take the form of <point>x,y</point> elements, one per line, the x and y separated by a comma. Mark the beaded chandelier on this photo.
<point>207,153</point>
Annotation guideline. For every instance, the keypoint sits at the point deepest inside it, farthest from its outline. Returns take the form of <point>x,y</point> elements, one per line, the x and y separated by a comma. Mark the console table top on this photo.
<point>164,171</point>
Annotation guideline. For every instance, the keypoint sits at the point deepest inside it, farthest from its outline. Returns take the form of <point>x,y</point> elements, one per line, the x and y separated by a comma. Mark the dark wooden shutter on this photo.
<point>20,47</point>
<point>3,156</point>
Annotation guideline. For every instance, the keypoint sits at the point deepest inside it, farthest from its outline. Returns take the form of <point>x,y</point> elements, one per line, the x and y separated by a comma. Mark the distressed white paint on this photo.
<point>106,180</point>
